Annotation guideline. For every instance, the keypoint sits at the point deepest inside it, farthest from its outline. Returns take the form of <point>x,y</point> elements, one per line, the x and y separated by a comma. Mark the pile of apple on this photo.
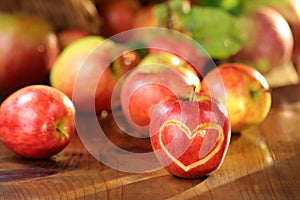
<point>267,34</point>
<point>162,79</point>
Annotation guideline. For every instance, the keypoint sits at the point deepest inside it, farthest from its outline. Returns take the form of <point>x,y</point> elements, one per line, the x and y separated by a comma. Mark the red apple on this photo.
<point>190,136</point>
<point>145,86</point>
<point>91,62</point>
<point>118,16</point>
<point>67,36</point>
<point>290,10</point>
<point>297,65</point>
<point>246,93</point>
<point>37,121</point>
<point>268,40</point>
<point>28,49</point>
<point>172,60</point>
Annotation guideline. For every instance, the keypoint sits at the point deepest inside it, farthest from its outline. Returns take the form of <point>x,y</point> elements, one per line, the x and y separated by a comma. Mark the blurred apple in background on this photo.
<point>247,95</point>
<point>67,36</point>
<point>297,65</point>
<point>181,47</point>
<point>69,62</point>
<point>268,40</point>
<point>118,16</point>
<point>172,60</point>
<point>145,17</point>
<point>29,47</point>
<point>82,61</point>
<point>290,10</point>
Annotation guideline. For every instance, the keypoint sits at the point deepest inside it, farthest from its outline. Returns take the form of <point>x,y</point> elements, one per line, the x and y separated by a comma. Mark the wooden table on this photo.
<point>262,163</point>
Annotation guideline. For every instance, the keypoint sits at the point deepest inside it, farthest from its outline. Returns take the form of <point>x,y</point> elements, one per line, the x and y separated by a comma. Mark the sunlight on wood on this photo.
<point>282,76</point>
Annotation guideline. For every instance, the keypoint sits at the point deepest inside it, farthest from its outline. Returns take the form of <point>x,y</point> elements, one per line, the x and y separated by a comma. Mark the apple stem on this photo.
<point>192,95</point>
<point>169,17</point>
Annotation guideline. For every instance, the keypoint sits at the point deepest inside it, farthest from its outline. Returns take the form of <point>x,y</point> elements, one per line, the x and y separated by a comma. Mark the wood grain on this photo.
<point>262,163</point>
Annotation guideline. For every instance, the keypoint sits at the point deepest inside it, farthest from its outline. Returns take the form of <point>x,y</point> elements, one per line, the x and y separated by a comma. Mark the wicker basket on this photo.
<point>62,14</point>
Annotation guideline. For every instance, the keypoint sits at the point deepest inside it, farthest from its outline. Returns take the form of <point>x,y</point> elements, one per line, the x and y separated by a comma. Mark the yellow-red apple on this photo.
<point>246,93</point>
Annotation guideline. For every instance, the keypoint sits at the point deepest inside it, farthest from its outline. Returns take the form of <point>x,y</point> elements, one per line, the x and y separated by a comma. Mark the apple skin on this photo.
<point>183,48</point>
<point>64,71</point>
<point>145,86</point>
<point>290,10</point>
<point>37,121</point>
<point>170,59</point>
<point>268,40</point>
<point>190,137</point>
<point>297,66</point>
<point>78,55</point>
<point>246,94</point>
<point>67,36</point>
<point>29,47</point>
<point>145,18</point>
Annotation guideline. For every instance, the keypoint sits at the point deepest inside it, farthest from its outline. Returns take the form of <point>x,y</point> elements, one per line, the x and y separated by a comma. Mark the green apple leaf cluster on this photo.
<point>213,28</point>
<point>238,7</point>
<point>234,7</point>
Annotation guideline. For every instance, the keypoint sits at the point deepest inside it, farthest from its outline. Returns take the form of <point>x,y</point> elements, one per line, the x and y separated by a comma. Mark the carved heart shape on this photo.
<point>191,134</point>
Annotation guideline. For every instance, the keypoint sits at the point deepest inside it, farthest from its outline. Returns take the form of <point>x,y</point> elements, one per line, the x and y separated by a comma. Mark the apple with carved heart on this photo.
<point>190,136</point>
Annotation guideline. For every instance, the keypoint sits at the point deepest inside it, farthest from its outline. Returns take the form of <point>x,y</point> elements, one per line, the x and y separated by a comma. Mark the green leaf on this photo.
<point>234,7</point>
<point>215,29</point>
<point>160,12</point>
<point>252,5</point>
